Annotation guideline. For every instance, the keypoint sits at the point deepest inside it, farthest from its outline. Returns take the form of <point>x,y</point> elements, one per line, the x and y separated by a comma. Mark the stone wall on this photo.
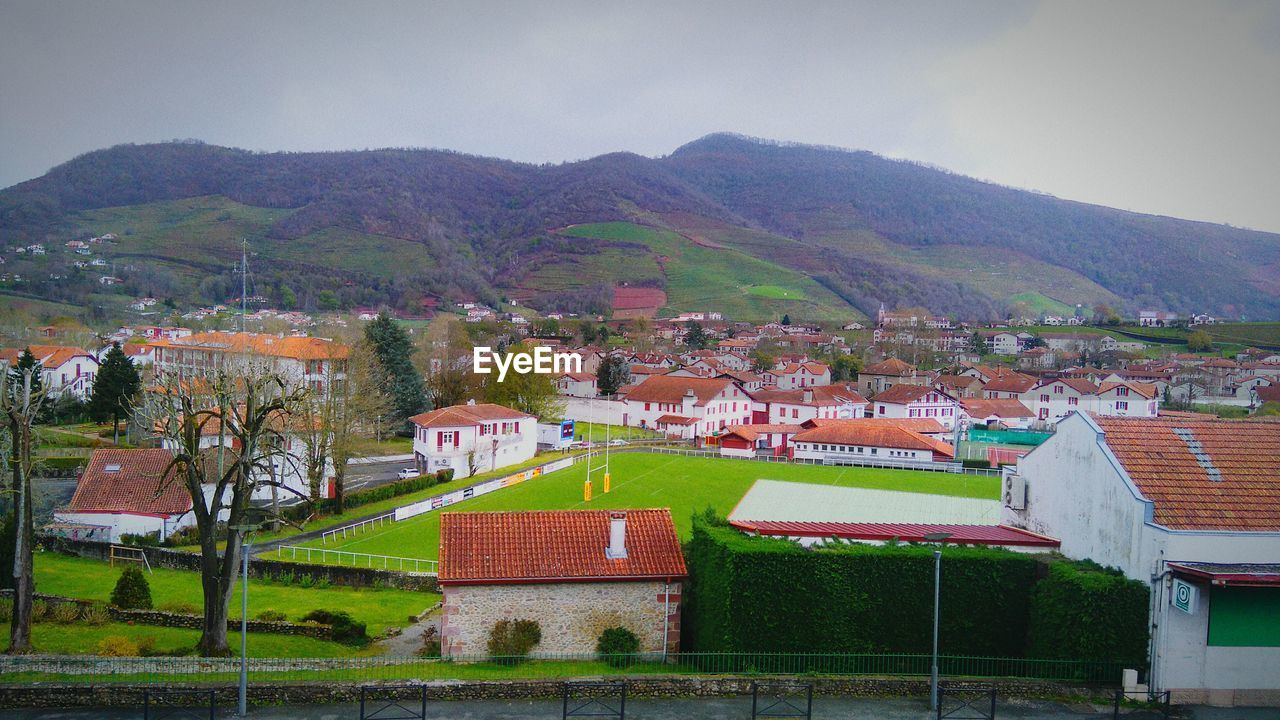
<point>160,557</point>
<point>47,695</point>
<point>572,615</point>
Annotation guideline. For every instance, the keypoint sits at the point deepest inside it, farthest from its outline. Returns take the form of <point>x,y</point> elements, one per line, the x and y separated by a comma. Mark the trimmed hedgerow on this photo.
<point>1086,612</point>
<point>765,595</point>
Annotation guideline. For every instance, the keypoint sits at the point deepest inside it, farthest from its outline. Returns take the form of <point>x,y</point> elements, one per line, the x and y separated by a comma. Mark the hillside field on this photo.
<point>684,484</point>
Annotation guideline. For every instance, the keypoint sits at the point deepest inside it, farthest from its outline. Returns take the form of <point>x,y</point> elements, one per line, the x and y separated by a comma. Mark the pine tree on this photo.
<point>694,336</point>
<point>612,374</point>
<point>115,389</point>
<point>27,361</point>
<point>393,352</point>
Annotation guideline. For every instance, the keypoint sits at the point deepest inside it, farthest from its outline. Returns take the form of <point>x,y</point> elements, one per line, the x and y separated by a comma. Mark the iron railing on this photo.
<point>356,528</point>
<point>355,559</point>
<point>82,670</point>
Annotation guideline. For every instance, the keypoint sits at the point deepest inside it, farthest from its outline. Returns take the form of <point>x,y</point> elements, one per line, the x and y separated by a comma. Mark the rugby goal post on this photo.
<point>126,553</point>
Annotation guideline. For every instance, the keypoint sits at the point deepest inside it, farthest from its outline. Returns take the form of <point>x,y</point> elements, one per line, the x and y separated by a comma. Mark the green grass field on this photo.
<point>648,480</point>
<point>57,639</point>
<point>85,579</point>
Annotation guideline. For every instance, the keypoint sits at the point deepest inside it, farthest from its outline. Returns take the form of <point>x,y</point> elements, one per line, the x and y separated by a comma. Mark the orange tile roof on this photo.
<point>1003,407</point>
<point>297,348</point>
<point>135,487</point>
<point>1157,454</point>
<point>924,426</point>
<point>751,432</point>
<point>1012,382</point>
<point>1146,390</point>
<point>485,548</point>
<point>873,434</point>
<point>466,415</point>
<point>671,389</point>
<point>893,367</point>
<point>822,395</point>
<point>49,356</point>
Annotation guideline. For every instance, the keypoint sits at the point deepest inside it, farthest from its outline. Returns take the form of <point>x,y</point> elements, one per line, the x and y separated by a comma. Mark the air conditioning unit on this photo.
<point>1015,491</point>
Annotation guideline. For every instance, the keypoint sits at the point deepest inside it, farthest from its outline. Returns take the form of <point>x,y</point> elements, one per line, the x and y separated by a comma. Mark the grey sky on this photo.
<point>1163,107</point>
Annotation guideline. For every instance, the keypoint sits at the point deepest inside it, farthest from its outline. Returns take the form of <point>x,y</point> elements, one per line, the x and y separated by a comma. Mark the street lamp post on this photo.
<point>937,597</point>
<point>246,548</point>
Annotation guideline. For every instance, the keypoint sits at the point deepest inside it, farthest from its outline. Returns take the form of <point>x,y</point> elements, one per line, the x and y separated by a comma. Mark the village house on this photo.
<point>1128,399</point>
<point>126,492</point>
<point>313,362</point>
<point>959,386</point>
<point>881,376</point>
<point>473,438</point>
<point>788,376</point>
<point>833,442</point>
<point>1054,399</point>
<point>574,572</point>
<point>1001,342</point>
<point>1156,318</point>
<point>577,384</point>
<point>763,439</point>
<point>687,407</point>
<point>1011,386</point>
<point>1187,506</point>
<point>64,370</point>
<point>915,401</point>
<point>842,400</point>
<point>994,414</point>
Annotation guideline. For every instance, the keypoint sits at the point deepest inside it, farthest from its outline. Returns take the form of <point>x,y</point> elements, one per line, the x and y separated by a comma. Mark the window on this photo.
<point>795,412</point>
<point>1122,405</point>
<point>1073,401</point>
<point>646,406</point>
<point>1122,391</point>
<point>1057,389</point>
<point>1044,398</point>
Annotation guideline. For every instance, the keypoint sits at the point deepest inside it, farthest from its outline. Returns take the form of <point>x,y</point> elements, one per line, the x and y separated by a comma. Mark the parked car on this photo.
<point>406,473</point>
<point>618,442</point>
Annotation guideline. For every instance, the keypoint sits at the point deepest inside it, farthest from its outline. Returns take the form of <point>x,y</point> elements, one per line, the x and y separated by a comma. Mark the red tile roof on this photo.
<point>488,548</point>
<point>1234,485</point>
<point>893,367</point>
<point>1013,382</point>
<point>466,415</point>
<point>873,433</point>
<point>1146,390</point>
<point>822,395</point>
<point>751,432</point>
<point>135,487</point>
<point>672,389</point>
<point>1004,407</point>
<point>1268,393</point>
<point>905,532</point>
<point>297,348</point>
<point>904,393</point>
<point>675,420</point>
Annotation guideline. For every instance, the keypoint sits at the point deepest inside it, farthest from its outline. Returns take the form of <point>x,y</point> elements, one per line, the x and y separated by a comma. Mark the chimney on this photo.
<point>808,396</point>
<point>617,549</point>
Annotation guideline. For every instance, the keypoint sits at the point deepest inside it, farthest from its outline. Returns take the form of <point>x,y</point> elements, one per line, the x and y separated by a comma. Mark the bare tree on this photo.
<point>252,408</point>
<point>20,404</point>
<point>358,398</point>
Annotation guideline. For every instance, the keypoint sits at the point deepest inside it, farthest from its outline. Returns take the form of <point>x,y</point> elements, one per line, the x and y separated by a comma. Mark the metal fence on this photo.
<point>854,461</point>
<point>100,670</point>
<point>355,559</point>
<point>341,533</point>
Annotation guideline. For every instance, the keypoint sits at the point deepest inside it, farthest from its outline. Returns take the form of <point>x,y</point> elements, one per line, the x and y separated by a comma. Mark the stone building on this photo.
<point>575,572</point>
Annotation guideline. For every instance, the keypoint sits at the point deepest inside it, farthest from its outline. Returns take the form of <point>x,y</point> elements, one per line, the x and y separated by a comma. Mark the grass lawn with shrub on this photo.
<point>650,480</point>
<point>86,579</point>
<point>58,639</point>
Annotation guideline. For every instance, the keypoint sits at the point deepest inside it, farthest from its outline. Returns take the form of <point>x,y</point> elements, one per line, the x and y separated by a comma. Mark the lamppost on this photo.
<point>938,537</point>
<point>247,526</point>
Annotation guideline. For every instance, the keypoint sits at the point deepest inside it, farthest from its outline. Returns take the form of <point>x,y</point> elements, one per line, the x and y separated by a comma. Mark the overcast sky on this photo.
<point>1163,107</point>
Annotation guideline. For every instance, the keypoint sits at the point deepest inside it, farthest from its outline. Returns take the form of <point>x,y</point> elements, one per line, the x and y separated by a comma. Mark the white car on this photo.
<point>406,473</point>
<point>617,443</point>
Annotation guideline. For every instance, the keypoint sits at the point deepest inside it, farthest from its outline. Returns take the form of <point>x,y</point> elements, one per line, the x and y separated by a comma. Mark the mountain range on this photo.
<point>750,227</point>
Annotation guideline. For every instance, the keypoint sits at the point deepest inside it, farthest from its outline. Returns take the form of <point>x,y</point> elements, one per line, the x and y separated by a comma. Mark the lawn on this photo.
<point>597,431</point>
<point>648,480</point>
<point>85,579</point>
<point>57,639</point>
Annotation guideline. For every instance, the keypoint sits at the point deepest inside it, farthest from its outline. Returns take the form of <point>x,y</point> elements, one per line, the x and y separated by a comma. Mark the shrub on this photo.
<point>132,590</point>
<point>180,608</point>
<point>141,539</point>
<point>64,613</point>
<point>94,615</point>
<point>511,640</point>
<point>39,610</point>
<point>975,463</point>
<point>117,646</point>
<point>1086,612</point>
<point>6,609</point>
<point>430,643</point>
<point>345,629</point>
<point>271,616</point>
<point>618,646</point>
<point>147,646</point>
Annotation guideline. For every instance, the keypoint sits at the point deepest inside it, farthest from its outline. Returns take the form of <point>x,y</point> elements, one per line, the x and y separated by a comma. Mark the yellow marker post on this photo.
<point>606,483</point>
<point>586,491</point>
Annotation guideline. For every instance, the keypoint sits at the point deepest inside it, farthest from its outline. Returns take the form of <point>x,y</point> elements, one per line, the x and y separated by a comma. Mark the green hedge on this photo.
<point>770,595</point>
<point>372,495</point>
<point>752,594</point>
<point>1084,612</point>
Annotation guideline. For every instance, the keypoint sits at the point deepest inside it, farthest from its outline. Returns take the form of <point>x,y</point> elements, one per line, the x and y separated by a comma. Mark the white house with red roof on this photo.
<point>473,438</point>
<point>125,492</point>
<point>841,400</point>
<point>64,370</point>
<point>992,412</point>
<point>1189,506</point>
<point>574,572</point>
<point>883,375</point>
<point>789,376</point>
<point>577,384</point>
<point>762,439</point>
<point>833,442</point>
<point>687,407</point>
<point>917,401</point>
<point>1128,399</point>
<point>1009,386</point>
<point>1053,399</point>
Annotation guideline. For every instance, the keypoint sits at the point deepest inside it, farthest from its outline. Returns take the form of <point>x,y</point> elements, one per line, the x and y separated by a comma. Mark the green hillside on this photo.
<point>702,277</point>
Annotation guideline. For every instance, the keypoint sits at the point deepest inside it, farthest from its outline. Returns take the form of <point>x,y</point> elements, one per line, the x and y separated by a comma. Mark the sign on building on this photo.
<point>1184,596</point>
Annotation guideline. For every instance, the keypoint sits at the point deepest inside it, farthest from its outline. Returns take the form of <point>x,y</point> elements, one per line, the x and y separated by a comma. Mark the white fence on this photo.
<point>854,462</point>
<point>356,528</point>
<point>355,559</point>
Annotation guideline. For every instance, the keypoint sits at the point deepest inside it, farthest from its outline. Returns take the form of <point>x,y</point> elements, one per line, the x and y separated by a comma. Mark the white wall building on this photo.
<point>688,407</point>
<point>915,401</point>
<point>473,438</point>
<point>1188,506</point>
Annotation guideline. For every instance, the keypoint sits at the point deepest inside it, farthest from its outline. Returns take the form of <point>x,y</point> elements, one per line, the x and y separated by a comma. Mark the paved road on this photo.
<point>832,708</point>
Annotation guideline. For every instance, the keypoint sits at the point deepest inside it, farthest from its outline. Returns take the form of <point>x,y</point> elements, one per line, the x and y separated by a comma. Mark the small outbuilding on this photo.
<point>575,572</point>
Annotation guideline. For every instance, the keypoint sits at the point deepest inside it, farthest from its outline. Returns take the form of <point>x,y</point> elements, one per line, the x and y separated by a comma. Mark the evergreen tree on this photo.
<point>786,319</point>
<point>393,353</point>
<point>612,374</point>
<point>27,361</point>
<point>694,336</point>
<point>115,389</point>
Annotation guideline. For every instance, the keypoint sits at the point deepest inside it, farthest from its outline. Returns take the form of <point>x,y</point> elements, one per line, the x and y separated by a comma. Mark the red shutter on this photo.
<point>456,436</point>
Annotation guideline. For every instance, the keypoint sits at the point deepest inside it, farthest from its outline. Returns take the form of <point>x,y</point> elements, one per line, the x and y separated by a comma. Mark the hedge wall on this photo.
<point>1084,612</point>
<point>751,594</point>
